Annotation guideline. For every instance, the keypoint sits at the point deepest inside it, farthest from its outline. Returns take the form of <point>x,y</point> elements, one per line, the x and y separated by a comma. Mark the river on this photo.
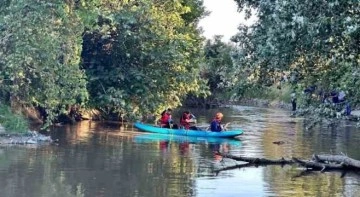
<point>98,159</point>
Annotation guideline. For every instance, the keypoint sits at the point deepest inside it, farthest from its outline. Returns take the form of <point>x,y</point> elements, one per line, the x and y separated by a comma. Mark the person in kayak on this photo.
<point>186,119</point>
<point>166,119</point>
<point>215,125</point>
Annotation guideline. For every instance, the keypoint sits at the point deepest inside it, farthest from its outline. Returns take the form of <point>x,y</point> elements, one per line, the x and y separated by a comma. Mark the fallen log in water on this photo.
<point>341,159</point>
<point>261,161</point>
<point>318,162</point>
<point>318,165</point>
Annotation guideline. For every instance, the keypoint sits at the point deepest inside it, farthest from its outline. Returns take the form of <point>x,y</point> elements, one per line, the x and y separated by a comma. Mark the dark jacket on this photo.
<point>215,125</point>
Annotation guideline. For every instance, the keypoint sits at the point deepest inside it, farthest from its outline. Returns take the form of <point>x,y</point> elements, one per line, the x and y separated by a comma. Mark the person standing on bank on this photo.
<point>215,124</point>
<point>293,101</point>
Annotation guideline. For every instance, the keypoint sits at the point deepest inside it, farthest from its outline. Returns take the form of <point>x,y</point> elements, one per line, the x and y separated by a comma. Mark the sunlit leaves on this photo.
<point>139,56</point>
<point>145,58</point>
<point>218,68</point>
<point>41,54</point>
<point>314,40</point>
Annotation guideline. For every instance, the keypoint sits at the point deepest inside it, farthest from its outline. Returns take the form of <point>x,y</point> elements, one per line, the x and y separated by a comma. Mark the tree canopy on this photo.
<point>218,67</point>
<point>40,55</point>
<point>125,57</point>
<point>143,58</point>
<point>315,43</point>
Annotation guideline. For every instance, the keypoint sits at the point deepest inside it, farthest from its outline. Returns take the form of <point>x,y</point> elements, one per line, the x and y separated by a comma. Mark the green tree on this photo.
<point>218,68</point>
<point>139,56</point>
<point>313,41</point>
<point>143,58</point>
<point>40,54</point>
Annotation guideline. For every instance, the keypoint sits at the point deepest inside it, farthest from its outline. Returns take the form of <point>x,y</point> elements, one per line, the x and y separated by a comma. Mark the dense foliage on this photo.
<point>218,67</point>
<point>40,55</point>
<point>143,58</point>
<point>310,42</point>
<point>125,57</point>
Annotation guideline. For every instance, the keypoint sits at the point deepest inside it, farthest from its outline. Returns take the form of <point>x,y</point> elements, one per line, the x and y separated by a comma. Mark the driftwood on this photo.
<point>344,160</point>
<point>260,161</point>
<point>251,161</point>
<point>318,162</point>
<point>318,165</point>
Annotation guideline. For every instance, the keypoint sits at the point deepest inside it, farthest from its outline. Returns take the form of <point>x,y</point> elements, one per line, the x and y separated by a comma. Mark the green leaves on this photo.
<point>13,122</point>
<point>130,57</point>
<point>312,39</point>
<point>219,68</point>
<point>41,54</point>
<point>148,54</point>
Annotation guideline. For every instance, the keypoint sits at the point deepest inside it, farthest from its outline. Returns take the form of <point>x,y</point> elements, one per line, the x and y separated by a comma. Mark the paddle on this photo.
<point>193,122</point>
<point>225,126</point>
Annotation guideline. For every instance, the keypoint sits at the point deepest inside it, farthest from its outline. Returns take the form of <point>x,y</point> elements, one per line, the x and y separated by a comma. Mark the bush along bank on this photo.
<point>309,105</point>
<point>14,129</point>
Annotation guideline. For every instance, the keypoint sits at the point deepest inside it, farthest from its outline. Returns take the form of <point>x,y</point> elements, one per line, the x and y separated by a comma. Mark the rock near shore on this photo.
<point>31,137</point>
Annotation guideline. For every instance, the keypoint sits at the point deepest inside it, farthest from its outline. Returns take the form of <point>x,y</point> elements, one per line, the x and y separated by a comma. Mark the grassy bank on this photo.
<point>12,122</point>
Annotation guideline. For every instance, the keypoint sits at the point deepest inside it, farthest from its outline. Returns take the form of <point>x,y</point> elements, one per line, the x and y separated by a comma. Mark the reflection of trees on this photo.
<point>30,172</point>
<point>340,138</point>
<point>122,170</point>
<point>288,181</point>
<point>98,160</point>
<point>98,164</point>
<point>302,143</point>
<point>115,166</point>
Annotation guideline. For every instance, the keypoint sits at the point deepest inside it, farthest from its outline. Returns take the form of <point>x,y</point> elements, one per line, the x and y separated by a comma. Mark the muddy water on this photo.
<point>96,159</point>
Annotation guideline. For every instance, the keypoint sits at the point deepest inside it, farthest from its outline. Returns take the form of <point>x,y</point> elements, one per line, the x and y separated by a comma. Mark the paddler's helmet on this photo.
<point>219,115</point>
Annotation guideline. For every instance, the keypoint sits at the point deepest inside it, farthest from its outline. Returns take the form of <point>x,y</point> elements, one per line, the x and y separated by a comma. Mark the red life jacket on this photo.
<point>184,123</point>
<point>165,119</point>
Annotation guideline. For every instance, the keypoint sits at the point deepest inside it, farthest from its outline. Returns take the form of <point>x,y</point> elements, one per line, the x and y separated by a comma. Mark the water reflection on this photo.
<point>146,138</point>
<point>102,159</point>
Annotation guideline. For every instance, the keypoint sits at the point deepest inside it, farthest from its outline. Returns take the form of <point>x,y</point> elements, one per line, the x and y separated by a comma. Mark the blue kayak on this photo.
<point>197,133</point>
<point>156,137</point>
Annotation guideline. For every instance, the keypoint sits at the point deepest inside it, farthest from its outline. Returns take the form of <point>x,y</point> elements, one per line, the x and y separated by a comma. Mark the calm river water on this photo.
<point>97,159</point>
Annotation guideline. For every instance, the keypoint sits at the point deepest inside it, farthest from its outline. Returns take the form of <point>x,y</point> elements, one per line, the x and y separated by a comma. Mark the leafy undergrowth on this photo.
<point>324,113</point>
<point>12,122</point>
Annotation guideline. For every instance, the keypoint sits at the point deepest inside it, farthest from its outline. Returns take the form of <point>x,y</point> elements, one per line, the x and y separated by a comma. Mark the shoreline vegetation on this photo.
<point>12,122</point>
<point>123,61</point>
<point>17,120</point>
<point>14,127</point>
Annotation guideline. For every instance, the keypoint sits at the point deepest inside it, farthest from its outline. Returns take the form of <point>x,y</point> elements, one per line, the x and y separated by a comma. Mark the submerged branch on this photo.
<point>261,161</point>
<point>318,165</point>
<point>318,162</point>
<point>237,166</point>
<point>340,159</point>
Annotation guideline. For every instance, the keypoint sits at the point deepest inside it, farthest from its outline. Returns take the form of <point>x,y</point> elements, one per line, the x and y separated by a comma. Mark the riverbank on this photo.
<point>30,137</point>
<point>260,103</point>
<point>354,116</point>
